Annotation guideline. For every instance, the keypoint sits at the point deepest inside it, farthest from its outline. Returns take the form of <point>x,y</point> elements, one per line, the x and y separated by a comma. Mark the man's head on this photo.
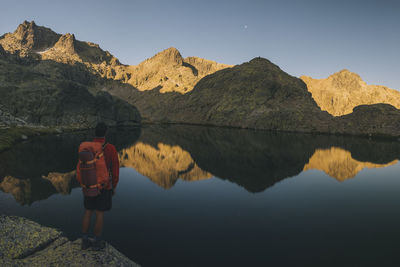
<point>101,129</point>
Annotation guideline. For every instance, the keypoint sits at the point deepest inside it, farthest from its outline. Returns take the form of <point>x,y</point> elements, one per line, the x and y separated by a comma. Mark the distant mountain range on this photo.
<point>53,79</point>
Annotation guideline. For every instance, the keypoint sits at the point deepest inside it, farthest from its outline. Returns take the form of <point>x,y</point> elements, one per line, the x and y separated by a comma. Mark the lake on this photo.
<point>205,196</point>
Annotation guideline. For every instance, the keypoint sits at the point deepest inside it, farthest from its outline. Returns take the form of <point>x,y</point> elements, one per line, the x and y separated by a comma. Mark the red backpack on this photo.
<point>92,172</point>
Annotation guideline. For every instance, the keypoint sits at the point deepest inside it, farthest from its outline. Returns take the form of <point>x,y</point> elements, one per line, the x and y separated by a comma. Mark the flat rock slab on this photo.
<point>26,243</point>
<point>21,237</point>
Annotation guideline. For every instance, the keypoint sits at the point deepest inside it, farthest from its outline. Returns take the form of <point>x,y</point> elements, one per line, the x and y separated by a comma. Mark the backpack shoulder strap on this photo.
<point>104,145</point>
<point>110,166</point>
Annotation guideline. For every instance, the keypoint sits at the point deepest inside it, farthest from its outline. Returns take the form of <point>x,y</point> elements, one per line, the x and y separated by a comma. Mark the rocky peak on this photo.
<point>168,56</point>
<point>346,74</point>
<point>263,63</point>
<point>26,34</point>
<point>346,79</point>
<point>27,38</point>
<point>24,29</point>
<point>67,43</point>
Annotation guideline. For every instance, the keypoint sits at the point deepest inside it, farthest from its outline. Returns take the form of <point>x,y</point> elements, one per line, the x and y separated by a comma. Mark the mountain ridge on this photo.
<point>168,88</point>
<point>174,73</point>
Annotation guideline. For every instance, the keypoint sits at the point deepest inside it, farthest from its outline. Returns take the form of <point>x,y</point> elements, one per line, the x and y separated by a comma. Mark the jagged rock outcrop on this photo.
<point>341,92</point>
<point>28,38</point>
<point>69,50</point>
<point>339,164</point>
<point>26,243</point>
<point>168,71</point>
<point>163,164</point>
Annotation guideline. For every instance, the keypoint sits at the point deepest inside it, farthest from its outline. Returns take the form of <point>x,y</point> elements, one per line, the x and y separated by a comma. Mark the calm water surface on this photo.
<point>195,196</point>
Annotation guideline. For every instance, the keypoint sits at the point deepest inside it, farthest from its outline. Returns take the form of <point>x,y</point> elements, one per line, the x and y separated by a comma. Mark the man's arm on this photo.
<point>78,174</point>
<point>114,166</point>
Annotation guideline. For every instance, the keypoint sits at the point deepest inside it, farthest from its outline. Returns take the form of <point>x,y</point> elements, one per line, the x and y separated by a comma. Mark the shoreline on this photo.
<point>10,136</point>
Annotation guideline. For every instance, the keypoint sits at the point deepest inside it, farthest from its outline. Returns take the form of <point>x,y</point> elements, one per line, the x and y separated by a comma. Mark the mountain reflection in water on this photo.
<point>163,165</point>
<point>44,166</point>
<point>338,163</point>
<point>36,169</point>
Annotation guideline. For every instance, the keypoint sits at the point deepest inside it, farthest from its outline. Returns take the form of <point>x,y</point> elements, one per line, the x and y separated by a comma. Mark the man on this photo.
<point>103,201</point>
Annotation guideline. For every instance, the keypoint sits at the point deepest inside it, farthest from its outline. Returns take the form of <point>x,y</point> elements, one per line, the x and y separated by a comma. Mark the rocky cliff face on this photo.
<point>341,92</point>
<point>168,71</point>
<point>28,38</point>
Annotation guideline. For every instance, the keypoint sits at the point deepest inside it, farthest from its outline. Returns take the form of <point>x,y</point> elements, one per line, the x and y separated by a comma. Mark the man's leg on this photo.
<point>85,228</point>
<point>98,227</point>
<point>86,221</point>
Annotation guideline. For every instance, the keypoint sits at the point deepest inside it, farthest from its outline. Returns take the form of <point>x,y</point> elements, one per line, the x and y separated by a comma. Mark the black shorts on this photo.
<point>102,202</point>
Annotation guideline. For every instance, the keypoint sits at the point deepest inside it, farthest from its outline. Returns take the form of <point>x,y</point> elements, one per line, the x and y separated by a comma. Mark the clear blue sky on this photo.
<point>310,37</point>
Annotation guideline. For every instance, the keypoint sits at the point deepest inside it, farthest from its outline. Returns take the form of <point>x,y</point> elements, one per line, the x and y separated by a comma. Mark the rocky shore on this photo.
<point>26,243</point>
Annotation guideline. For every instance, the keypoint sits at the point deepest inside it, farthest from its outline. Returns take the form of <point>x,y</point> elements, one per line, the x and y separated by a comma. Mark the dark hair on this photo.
<point>101,129</point>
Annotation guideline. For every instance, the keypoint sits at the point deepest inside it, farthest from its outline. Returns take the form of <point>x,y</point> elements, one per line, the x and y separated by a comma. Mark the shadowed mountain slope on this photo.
<point>256,94</point>
<point>50,93</point>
